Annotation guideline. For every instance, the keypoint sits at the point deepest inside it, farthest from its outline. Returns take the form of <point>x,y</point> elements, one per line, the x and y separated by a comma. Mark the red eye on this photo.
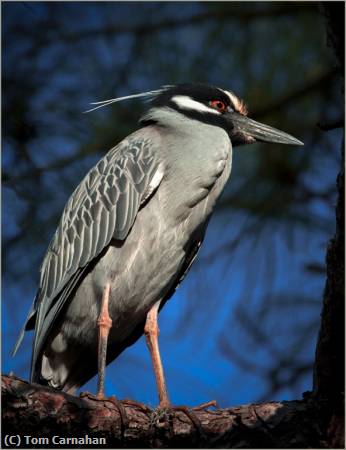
<point>219,105</point>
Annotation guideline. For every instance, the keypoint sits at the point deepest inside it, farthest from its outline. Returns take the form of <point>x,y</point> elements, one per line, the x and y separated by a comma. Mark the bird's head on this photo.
<point>214,106</point>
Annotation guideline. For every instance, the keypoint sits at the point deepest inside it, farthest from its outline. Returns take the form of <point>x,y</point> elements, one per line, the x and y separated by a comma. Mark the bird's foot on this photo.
<point>192,416</point>
<point>98,396</point>
<point>89,395</point>
<point>121,409</point>
<point>205,406</point>
<point>118,403</point>
<point>190,413</point>
<point>136,404</point>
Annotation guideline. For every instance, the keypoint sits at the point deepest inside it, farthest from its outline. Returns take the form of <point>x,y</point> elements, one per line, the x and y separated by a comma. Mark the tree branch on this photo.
<point>315,84</point>
<point>333,125</point>
<point>329,366</point>
<point>41,412</point>
<point>167,24</point>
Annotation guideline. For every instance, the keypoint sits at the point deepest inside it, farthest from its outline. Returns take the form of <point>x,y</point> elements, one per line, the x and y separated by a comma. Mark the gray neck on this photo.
<point>164,116</point>
<point>195,155</point>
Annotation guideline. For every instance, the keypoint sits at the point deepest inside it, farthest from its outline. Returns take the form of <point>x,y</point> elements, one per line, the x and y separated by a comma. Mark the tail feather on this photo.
<point>28,325</point>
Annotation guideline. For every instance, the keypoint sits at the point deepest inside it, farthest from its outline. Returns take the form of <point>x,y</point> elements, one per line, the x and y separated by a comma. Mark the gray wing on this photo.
<point>104,206</point>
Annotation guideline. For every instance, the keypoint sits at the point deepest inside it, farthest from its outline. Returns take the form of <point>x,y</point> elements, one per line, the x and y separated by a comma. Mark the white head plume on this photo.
<point>150,94</point>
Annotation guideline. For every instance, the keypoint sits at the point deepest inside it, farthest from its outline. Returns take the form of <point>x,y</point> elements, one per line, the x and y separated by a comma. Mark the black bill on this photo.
<point>257,131</point>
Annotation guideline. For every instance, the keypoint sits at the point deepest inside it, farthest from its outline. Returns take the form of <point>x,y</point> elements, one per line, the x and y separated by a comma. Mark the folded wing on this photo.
<point>103,207</point>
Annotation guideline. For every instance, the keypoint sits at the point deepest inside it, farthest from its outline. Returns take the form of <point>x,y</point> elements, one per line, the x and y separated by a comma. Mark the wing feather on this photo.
<point>97,231</point>
<point>63,255</point>
<point>121,209</point>
<point>102,232</point>
<point>111,226</point>
<point>77,245</point>
<point>87,242</point>
<point>103,206</point>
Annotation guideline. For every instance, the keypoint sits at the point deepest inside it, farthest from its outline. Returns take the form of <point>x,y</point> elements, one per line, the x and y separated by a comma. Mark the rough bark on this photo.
<point>329,369</point>
<point>329,373</point>
<point>42,412</point>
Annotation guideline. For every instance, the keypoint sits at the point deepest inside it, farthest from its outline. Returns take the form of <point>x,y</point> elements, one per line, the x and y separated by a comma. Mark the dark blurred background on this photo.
<point>243,325</point>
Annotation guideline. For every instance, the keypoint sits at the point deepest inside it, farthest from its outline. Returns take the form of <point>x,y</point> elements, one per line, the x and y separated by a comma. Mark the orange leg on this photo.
<point>152,331</point>
<point>104,324</point>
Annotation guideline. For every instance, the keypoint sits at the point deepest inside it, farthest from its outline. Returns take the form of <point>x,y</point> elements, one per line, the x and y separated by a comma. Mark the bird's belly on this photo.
<point>140,269</point>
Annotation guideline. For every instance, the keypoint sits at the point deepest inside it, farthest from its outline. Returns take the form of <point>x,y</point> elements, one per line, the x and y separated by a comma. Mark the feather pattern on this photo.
<point>103,207</point>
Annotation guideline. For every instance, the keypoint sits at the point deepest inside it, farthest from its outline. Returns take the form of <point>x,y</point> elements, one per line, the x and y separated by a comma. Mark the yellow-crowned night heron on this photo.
<point>131,230</point>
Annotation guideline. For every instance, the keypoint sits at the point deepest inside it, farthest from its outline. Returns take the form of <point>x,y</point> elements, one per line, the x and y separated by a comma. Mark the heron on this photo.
<point>131,231</point>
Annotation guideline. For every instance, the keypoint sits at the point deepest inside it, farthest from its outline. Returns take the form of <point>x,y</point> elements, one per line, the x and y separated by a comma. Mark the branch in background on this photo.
<point>43,412</point>
<point>335,19</point>
<point>59,164</point>
<point>167,24</point>
<point>331,125</point>
<point>315,84</point>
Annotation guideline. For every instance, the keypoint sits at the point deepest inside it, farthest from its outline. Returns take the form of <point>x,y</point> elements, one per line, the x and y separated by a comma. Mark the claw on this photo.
<point>122,411</point>
<point>206,405</point>
<point>87,394</point>
<point>190,414</point>
<point>101,398</point>
<point>193,418</point>
<point>139,405</point>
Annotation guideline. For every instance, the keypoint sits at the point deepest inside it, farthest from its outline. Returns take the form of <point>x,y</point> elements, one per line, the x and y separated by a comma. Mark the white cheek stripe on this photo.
<point>186,102</point>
